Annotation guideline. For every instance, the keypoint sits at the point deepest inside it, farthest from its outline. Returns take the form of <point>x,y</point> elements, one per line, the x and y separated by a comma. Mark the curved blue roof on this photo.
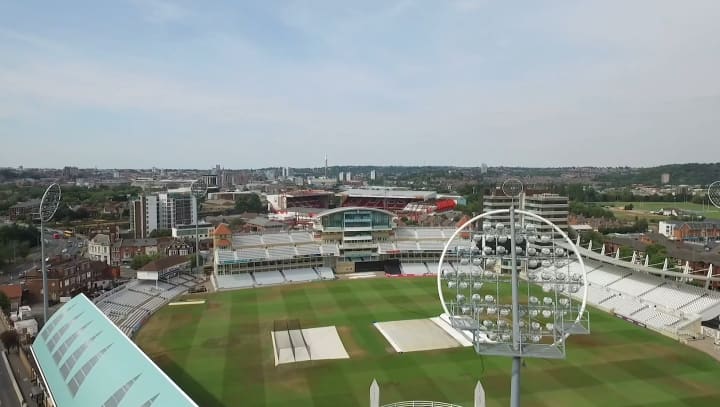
<point>85,360</point>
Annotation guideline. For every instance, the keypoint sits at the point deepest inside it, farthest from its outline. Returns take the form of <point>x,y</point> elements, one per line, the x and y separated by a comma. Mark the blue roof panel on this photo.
<point>86,360</point>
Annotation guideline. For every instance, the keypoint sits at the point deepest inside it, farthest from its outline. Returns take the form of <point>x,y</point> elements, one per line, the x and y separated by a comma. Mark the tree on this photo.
<point>4,302</point>
<point>629,207</point>
<point>141,260</point>
<point>161,233</point>
<point>249,203</point>
<point>10,339</point>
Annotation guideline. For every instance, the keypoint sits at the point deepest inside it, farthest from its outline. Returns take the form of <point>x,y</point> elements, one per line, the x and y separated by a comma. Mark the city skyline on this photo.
<point>144,83</point>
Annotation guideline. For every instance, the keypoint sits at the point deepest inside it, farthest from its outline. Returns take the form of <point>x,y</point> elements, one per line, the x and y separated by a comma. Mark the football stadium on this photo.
<point>314,317</point>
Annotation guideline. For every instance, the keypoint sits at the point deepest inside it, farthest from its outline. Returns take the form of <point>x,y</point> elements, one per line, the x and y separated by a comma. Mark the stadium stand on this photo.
<point>298,275</point>
<point>242,280</point>
<point>281,252</point>
<point>128,307</point>
<point>326,273</point>
<point>673,297</point>
<point>414,268</point>
<point>268,277</point>
<point>308,249</point>
<point>635,284</point>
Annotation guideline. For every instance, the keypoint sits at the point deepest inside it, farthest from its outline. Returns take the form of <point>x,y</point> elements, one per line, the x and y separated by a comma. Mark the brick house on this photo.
<point>66,278</point>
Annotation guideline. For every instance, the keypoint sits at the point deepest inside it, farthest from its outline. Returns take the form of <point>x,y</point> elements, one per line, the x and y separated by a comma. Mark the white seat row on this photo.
<point>672,297</point>
<point>414,268</point>
<point>276,238</point>
<point>701,304</point>
<point>297,275</point>
<point>327,249</point>
<point>308,249</point>
<point>243,280</point>
<point>623,305</point>
<point>636,284</point>
<point>406,245</point>
<point>326,273</point>
<point>268,277</point>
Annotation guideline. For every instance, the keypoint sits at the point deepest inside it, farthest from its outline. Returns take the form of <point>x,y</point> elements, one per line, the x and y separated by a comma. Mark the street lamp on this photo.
<point>48,205</point>
<point>473,282</point>
<point>198,189</point>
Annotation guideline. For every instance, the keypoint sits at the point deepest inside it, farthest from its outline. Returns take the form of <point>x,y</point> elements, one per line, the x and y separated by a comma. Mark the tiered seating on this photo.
<point>173,292</point>
<point>301,237</point>
<point>429,233</point>
<point>154,304</point>
<point>598,295</point>
<point>386,246</point>
<point>414,268</point>
<point>247,240</point>
<point>661,320</point>
<point>406,245</point>
<point>701,304</point>
<point>115,312</point>
<point>636,284</point>
<point>434,245</point>
<point>130,298</point>
<point>268,277</point>
<point>131,323</point>
<point>308,249</point>
<point>326,273</point>
<point>405,233</point>
<point>252,253</point>
<point>329,249</point>
<point>623,305</point>
<point>674,297</point>
<point>244,280</point>
<point>281,252</point>
<point>276,238</point>
<point>604,276</point>
<point>297,275</point>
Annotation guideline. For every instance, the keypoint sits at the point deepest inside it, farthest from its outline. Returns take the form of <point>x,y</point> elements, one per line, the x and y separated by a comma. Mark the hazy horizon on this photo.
<point>172,84</point>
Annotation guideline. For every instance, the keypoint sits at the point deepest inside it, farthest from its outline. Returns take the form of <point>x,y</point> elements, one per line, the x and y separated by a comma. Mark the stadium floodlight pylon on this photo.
<point>714,194</point>
<point>198,189</point>
<point>48,206</point>
<point>545,308</point>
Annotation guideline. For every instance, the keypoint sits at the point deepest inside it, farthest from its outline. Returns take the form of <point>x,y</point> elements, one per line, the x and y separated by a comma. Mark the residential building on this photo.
<point>161,211</point>
<point>552,207</point>
<point>187,232</point>
<point>222,237</point>
<point>99,248</point>
<point>178,248</point>
<point>14,293</point>
<point>24,209</point>
<point>66,278</point>
<point>692,231</point>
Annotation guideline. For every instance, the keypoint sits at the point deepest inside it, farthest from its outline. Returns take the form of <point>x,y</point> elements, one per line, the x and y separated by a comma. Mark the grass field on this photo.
<point>642,208</point>
<point>220,353</point>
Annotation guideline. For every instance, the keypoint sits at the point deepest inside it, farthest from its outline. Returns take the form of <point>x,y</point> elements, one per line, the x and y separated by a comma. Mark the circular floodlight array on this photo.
<point>199,188</point>
<point>50,202</point>
<point>475,286</point>
<point>714,193</point>
<point>512,187</point>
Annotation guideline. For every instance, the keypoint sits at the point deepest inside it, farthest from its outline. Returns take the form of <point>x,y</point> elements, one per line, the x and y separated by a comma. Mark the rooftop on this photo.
<point>389,193</point>
<point>164,263</point>
<point>85,360</point>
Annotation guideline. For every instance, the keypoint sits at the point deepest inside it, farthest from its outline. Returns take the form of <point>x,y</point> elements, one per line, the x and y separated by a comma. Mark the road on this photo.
<point>53,247</point>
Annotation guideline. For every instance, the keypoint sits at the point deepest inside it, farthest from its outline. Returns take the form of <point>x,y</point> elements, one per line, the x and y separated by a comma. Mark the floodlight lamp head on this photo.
<point>714,193</point>
<point>512,187</point>
<point>198,188</point>
<point>50,202</point>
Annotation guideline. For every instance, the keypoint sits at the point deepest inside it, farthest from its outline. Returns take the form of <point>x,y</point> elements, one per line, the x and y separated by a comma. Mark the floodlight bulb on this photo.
<point>502,239</point>
<point>487,323</point>
<point>535,325</point>
<point>504,312</point>
<point>477,261</point>
<point>547,288</point>
<point>460,298</point>
<point>546,313</point>
<point>532,276</point>
<point>476,297</point>
<point>477,285</point>
<point>560,275</point>
<point>505,337</point>
<point>531,251</point>
<point>501,250</point>
<point>559,251</point>
<point>464,261</point>
<point>502,323</point>
<point>533,300</point>
<point>564,302</point>
<point>488,250</point>
<point>533,313</point>
<point>575,277</point>
<point>549,326</point>
<point>545,238</point>
<point>499,226</point>
<point>574,288</point>
<point>463,284</point>
<point>533,264</point>
<point>489,299</point>
<point>547,301</point>
<point>546,275</point>
<point>451,284</point>
<point>545,251</point>
<point>535,338</point>
<point>490,238</point>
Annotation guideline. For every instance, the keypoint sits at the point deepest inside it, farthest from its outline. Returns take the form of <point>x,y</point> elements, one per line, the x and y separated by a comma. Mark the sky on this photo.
<point>191,84</point>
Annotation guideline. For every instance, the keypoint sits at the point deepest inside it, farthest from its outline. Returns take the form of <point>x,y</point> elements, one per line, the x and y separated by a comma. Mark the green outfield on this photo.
<point>709,212</point>
<point>220,353</point>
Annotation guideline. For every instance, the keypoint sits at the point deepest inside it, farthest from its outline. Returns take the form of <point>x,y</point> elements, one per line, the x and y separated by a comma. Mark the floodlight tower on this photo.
<point>714,194</point>
<point>198,189</point>
<point>476,284</point>
<point>48,206</point>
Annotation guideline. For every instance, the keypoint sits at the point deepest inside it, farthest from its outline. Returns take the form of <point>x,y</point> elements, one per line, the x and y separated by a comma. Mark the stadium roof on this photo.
<point>353,208</point>
<point>85,360</point>
<point>389,193</point>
